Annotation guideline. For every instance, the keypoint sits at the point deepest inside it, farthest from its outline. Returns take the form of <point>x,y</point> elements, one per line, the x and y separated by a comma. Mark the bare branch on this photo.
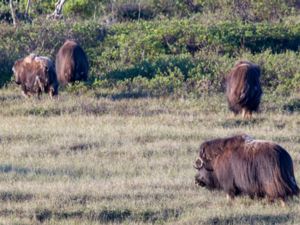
<point>13,13</point>
<point>27,8</point>
<point>57,14</point>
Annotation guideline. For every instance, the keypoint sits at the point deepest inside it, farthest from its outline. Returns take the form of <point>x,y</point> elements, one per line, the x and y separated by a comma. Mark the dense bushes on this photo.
<point>246,10</point>
<point>164,55</point>
<point>205,73</point>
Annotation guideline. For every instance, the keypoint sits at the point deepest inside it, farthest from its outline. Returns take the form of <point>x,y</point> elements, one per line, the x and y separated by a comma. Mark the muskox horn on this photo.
<point>199,163</point>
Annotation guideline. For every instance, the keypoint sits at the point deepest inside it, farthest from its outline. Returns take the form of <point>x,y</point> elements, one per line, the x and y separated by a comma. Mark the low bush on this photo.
<point>199,56</point>
<point>134,11</point>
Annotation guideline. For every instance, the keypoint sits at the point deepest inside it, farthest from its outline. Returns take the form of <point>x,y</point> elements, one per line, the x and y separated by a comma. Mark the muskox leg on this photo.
<point>282,202</point>
<point>229,197</point>
<point>248,114</point>
<point>50,92</point>
<point>39,93</point>
<point>231,193</point>
<point>233,115</point>
<point>53,92</point>
<point>25,93</point>
<point>244,113</point>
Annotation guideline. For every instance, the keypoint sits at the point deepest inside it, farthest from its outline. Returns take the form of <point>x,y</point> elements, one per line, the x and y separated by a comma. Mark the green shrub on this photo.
<point>280,72</point>
<point>83,8</point>
<point>134,11</point>
<point>155,50</point>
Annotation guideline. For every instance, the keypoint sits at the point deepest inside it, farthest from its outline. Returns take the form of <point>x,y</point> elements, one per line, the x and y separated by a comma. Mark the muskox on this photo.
<point>36,74</point>
<point>71,63</point>
<point>242,165</point>
<point>243,88</point>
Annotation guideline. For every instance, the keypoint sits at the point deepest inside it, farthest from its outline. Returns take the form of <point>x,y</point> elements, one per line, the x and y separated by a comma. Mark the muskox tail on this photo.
<point>287,173</point>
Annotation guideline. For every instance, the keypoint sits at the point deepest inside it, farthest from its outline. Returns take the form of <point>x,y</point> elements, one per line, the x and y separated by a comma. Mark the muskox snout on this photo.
<point>199,180</point>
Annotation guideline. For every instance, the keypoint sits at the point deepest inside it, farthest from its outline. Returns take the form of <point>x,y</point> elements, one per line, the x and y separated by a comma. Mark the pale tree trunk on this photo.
<point>139,10</point>
<point>57,14</point>
<point>13,13</point>
<point>113,6</point>
<point>27,8</point>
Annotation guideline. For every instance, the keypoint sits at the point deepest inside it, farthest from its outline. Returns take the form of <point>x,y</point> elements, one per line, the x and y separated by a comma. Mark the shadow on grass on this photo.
<point>155,216</point>
<point>123,95</point>
<point>292,106</point>
<point>6,98</point>
<point>241,122</point>
<point>42,111</point>
<point>250,219</point>
<point>8,168</point>
<point>110,216</point>
<point>13,138</point>
<point>80,147</point>
<point>8,196</point>
<point>291,138</point>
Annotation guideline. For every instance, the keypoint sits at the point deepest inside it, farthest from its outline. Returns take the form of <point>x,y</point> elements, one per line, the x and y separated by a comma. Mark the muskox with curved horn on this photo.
<point>71,63</point>
<point>243,88</point>
<point>241,165</point>
<point>36,74</point>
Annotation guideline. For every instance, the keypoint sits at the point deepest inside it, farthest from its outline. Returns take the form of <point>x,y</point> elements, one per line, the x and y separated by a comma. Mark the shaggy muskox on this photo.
<point>242,165</point>
<point>243,88</point>
<point>71,63</point>
<point>36,74</point>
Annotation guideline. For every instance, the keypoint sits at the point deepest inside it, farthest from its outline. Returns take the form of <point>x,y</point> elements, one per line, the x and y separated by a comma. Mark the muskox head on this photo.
<point>204,177</point>
<point>208,152</point>
<point>19,67</point>
<point>17,71</point>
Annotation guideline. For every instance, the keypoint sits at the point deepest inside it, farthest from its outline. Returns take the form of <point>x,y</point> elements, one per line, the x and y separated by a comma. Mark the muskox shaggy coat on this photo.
<point>243,88</point>
<point>36,74</point>
<point>71,63</point>
<point>241,165</point>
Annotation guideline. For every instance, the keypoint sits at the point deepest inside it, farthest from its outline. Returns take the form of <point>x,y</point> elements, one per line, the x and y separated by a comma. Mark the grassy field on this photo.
<point>94,160</point>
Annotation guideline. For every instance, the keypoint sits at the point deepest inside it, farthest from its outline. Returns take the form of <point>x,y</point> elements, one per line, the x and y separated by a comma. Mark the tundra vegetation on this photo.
<point>120,147</point>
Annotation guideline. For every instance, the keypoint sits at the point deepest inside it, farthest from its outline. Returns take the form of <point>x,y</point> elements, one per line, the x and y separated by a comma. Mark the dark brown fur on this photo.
<point>241,165</point>
<point>71,63</point>
<point>243,88</point>
<point>36,74</point>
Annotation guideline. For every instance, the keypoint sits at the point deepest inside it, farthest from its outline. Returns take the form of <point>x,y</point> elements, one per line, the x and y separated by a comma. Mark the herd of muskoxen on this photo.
<point>237,165</point>
<point>37,74</point>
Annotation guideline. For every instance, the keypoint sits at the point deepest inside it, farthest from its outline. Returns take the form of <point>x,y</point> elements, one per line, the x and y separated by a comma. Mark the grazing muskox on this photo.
<point>242,165</point>
<point>71,63</point>
<point>243,89</point>
<point>36,74</point>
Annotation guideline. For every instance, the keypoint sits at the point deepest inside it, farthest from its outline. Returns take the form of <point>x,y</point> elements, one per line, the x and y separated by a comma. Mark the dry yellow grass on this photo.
<point>87,160</point>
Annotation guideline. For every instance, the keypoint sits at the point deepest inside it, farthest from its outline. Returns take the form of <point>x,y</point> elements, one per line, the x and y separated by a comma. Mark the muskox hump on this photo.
<point>71,63</point>
<point>243,89</point>
<point>266,170</point>
<point>284,179</point>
